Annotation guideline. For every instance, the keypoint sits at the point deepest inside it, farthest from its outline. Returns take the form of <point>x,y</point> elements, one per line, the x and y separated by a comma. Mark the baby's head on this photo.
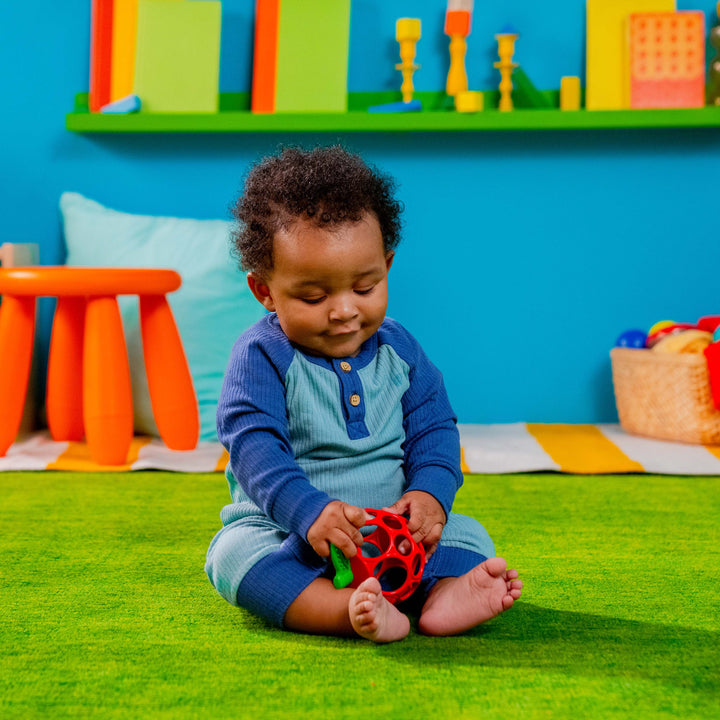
<point>317,231</point>
<point>326,186</point>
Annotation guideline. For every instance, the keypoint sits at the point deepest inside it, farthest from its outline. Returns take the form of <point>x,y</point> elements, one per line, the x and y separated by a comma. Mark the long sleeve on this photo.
<point>253,427</point>
<point>432,441</point>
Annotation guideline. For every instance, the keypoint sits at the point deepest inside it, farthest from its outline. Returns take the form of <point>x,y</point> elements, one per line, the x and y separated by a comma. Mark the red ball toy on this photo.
<point>390,554</point>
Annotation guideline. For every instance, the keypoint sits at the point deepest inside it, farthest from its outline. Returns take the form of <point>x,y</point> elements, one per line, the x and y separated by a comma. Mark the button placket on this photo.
<point>351,389</point>
<point>352,397</point>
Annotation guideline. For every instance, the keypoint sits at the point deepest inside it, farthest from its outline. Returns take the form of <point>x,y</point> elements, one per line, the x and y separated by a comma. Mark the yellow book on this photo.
<point>124,31</point>
<point>177,55</point>
<point>607,82</point>
<point>124,39</point>
<point>312,56</point>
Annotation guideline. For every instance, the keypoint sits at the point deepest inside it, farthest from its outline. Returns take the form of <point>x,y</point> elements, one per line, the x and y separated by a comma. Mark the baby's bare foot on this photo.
<point>457,604</point>
<point>373,617</point>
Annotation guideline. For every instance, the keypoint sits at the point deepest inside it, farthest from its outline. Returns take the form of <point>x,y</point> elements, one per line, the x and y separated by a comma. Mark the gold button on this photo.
<point>345,366</point>
<point>354,400</point>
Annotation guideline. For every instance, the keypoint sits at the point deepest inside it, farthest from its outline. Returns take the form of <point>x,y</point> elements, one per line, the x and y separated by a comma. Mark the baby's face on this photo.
<point>328,287</point>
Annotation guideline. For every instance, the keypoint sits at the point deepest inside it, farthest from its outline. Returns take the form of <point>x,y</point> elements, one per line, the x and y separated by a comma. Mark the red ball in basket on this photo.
<point>390,554</point>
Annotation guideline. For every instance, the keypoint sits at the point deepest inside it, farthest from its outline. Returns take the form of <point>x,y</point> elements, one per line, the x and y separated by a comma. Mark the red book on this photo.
<point>100,53</point>
<point>267,22</point>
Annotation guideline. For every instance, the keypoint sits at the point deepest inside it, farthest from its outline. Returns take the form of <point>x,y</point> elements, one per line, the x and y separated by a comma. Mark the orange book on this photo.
<point>101,21</point>
<point>267,24</point>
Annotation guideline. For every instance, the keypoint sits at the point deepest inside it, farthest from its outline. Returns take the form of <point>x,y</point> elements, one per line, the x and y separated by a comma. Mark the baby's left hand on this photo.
<point>426,518</point>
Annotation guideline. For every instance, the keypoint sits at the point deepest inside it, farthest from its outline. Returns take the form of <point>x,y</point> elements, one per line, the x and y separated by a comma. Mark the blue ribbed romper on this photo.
<point>302,431</point>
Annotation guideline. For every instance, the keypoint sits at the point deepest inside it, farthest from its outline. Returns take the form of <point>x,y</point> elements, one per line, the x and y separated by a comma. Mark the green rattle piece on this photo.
<point>343,573</point>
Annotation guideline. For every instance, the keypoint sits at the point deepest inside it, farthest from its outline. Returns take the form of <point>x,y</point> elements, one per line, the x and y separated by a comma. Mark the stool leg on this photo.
<point>107,398</point>
<point>17,332</point>
<point>170,384</point>
<point>64,377</point>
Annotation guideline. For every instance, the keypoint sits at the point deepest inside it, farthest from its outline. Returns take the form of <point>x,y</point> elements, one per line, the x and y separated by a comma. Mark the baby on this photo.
<point>329,407</point>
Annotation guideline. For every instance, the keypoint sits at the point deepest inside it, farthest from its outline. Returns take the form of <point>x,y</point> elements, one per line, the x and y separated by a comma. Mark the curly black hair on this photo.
<point>325,185</point>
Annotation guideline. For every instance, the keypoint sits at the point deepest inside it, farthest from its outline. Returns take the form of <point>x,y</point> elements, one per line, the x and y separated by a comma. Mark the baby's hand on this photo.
<point>426,518</point>
<point>338,524</point>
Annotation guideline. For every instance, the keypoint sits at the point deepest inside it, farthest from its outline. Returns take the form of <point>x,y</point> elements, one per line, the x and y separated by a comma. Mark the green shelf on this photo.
<point>234,116</point>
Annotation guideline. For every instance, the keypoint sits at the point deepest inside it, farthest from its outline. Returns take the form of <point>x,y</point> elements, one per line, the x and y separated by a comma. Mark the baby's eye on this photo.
<point>312,301</point>
<point>365,291</point>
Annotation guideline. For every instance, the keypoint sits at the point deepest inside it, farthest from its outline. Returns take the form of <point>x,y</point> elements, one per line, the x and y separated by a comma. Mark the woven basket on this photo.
<point>665,395</point>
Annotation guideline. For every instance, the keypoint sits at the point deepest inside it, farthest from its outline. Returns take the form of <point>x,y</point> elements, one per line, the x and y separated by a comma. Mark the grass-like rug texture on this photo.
<point>105,610</point>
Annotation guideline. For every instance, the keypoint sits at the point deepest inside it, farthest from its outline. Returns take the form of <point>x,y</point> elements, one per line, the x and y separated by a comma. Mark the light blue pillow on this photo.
<point>212,308</point>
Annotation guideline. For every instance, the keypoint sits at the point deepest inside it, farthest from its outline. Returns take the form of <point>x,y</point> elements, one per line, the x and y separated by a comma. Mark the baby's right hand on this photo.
<point>338,524</point>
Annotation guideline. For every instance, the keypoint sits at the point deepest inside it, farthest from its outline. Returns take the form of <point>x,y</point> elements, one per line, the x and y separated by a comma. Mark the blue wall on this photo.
<point>525,254</point>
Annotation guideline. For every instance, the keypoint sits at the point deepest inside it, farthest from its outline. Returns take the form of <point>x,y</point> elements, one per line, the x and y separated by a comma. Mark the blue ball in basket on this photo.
<point>631,339</point>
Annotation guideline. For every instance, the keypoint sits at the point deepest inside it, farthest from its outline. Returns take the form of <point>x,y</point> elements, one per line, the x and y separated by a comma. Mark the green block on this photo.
<point>177,61</point>
<point>312,64</point>
<point>525,94</point>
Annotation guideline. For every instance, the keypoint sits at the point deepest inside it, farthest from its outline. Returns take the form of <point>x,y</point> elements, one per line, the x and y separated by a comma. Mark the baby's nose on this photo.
<point>343,309</point>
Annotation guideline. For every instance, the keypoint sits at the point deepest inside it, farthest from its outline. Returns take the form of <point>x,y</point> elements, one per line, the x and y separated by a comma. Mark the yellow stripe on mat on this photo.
<point>582,449</point>
<point>222,462</point>
<point>77,457</point>
<point>713,450</point>
<point>463,465</point>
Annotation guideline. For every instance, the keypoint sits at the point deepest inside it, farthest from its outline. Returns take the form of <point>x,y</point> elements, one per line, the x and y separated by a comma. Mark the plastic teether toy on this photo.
<point>388,553</point>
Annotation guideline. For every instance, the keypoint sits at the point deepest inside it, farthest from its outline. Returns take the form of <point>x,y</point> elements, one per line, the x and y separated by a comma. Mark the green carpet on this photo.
<point>105,610</point>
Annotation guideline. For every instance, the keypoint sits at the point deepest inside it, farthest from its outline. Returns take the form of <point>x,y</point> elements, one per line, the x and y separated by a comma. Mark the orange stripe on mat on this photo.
<point>222,462</point>
<point>582,449</point>
<point>77,457</point>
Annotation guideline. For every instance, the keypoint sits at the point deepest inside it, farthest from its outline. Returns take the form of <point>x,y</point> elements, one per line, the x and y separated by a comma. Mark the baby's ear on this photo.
<point>261,291</point>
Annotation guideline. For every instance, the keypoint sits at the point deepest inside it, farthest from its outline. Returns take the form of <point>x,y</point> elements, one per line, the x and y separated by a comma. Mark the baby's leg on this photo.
<point>321,609</point>
<point>471,588</point>
<point>286,589</point>
<point>456,604</point>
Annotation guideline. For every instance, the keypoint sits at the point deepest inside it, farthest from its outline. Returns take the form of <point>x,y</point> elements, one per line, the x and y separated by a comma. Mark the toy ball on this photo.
<point>390,554</point>
<point>631,339</point>
<point>661,326</point>
<point>665,328</point>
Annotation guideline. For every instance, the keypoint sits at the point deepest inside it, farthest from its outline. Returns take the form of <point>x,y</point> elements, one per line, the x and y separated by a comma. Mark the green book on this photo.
<point>312,61</point>
<point>177,57</point>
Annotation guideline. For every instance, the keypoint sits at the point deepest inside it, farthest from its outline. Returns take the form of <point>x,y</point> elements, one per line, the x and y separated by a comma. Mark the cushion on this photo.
<point>212,307</point>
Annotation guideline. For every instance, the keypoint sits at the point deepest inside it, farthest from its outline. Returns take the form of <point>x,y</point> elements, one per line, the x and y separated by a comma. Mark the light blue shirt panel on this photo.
<point>367,471</point>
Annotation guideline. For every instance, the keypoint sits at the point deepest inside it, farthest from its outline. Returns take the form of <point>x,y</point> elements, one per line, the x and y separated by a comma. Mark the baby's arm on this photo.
<point>253,426</point>
<point>432,443</point>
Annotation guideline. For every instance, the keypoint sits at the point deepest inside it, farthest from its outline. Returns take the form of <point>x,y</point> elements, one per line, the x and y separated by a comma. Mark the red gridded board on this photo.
<point>667,60</point>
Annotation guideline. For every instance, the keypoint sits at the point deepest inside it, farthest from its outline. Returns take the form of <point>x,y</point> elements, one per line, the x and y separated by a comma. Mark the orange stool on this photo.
<point>88,380</point>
